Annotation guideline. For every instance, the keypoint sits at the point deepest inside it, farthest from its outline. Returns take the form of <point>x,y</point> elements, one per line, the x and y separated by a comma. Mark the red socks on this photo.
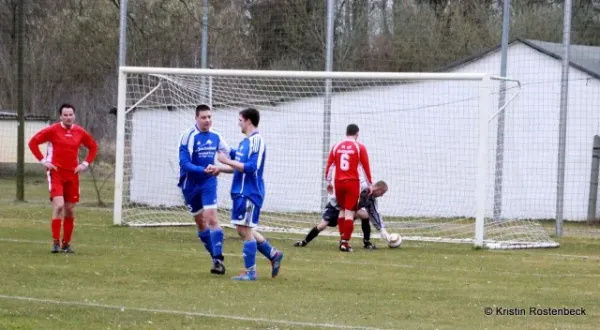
<point>341,222</point>
<point>348,229</point>
<point>68,230</point>
<point>56,229</point>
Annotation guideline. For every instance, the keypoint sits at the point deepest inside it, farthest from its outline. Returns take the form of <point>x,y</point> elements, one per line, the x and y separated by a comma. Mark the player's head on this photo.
<point>352,131</point>
<point>379,188</point>
<point>67,114</point>
<point>249,119</point>
<point>203,117</point>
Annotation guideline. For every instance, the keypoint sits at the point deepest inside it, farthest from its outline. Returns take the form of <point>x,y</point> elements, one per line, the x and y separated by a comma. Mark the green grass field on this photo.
<point>158,278</point>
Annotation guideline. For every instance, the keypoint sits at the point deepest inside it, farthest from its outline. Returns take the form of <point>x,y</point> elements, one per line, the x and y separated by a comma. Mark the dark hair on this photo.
<point>202,107</point>
<point>351,130</point>
<point>65,106</point>
<point>252,114</point>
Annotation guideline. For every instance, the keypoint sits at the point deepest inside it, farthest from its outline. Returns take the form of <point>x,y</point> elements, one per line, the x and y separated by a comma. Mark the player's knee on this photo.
<point>200,221</point>
<point>210,216</point>
<point>362,215</point>
<point>58,207</point>
<point>69,210</point>
<point>244,232</point>
<point>322,225</point>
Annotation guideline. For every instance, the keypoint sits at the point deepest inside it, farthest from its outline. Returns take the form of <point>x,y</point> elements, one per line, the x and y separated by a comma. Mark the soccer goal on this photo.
<point>431,136</point>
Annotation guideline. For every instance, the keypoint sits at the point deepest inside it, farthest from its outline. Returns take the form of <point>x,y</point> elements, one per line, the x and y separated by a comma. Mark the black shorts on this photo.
<point>330,215</point>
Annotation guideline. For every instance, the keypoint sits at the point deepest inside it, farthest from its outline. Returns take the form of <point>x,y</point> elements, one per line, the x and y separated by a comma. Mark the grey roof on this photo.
<point>584,58</point>
<point>12,115</point>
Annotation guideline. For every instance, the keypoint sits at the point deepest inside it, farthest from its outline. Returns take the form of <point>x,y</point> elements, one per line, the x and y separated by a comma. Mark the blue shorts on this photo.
<point>244,212</point>
<point>200,199</point>
<point>330,215</point>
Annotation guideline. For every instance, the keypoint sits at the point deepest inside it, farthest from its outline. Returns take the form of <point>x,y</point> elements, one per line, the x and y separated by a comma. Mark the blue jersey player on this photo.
<point>197,150</point>
<point>248,194</point>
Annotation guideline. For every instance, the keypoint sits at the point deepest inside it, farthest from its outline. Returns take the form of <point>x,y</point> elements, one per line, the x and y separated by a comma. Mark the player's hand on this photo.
<point>212,169</point>
<point>80,168</point>
<point>221,157</point>
<point>385,234</point>
<point>49,165</point>
<point>330,188</point>
<point>370,190</point>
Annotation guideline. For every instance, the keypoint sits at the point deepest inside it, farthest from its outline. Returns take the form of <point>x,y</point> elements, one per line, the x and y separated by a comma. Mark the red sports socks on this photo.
<point>56,223</point>
<point>68,230</point>
<point>341,227</point>
<point>348,229</point>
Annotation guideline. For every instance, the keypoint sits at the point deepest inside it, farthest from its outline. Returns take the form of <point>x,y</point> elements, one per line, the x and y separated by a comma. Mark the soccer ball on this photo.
<point>395,240</point>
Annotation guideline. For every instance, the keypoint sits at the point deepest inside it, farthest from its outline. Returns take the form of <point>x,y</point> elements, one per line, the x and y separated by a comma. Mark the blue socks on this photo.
<point>216,237</point>
<point>249,253</point>
<point>266,249</point>
<point>205,237</point>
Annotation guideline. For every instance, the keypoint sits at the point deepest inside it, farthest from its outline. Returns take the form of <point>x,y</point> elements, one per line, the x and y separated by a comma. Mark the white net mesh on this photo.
<point>422,138</point>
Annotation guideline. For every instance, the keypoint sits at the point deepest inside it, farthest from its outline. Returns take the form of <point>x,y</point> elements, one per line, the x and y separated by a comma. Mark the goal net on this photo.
<point>432,137</point>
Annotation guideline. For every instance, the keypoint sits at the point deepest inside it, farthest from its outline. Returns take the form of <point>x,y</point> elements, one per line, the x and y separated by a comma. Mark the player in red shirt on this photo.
<point>348,157</point>
<point>62,168</point>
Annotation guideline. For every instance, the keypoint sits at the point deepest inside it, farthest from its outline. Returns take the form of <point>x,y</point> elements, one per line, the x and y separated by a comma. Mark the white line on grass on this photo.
<point>355,262</point>
<point>177,312</point>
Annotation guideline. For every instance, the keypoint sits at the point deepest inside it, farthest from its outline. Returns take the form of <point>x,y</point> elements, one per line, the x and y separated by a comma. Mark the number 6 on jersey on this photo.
<point>344,162</point>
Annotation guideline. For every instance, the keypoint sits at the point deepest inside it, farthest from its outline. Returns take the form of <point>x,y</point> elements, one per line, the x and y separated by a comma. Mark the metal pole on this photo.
<point>20,102</point>
<point>562,124</point>
<point>123,34</point>
<point>204,50</point>
<point>502,99</point>
<point>204,35</point>
<point>593,195</point>
<point>327,105</point>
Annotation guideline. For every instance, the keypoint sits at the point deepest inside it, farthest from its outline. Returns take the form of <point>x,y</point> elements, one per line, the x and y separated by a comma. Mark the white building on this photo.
<point>422,138</point>
<point>9,133</point>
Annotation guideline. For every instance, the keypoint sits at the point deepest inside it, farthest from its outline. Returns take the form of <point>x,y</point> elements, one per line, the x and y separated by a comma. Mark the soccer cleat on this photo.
<point>245,276</point>
<point>66,248</point>
<point>218,268</point>
<point>370,246</point>
<point>55,247</point>
<point>276,264</point>
<point>300,243</point>
<point>345,247</point>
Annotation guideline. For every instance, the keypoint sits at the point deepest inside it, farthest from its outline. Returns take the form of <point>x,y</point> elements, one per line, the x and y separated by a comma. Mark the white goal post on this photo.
<point>430,136</point>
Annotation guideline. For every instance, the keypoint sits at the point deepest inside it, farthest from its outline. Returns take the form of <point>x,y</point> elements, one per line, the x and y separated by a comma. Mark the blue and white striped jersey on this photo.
<point>197,150</point>
<point>249,183</point>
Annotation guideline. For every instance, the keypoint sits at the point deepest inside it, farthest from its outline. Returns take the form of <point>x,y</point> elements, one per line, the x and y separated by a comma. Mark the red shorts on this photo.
<point>347,194</point>
<point>63,183</point>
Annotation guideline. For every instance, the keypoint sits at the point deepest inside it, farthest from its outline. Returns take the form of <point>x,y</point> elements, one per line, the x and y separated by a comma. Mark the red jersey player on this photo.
<point>63,168</point>
<point>349,158</point>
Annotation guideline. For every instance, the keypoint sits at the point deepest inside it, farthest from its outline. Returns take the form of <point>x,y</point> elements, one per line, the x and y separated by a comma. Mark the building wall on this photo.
<point>422,140</point>
<point>532,121</point>
<point>8,140</point>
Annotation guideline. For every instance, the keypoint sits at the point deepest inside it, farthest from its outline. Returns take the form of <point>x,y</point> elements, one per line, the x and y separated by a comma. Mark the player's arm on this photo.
<point>329,170</point>
<point>223,148</point>
<point>41,137</point>
<point>251,164</point>
<point>247,167</point>
<point>329,166</point>
<point>364,161</point>
<point>376,219</point>
<point>92,147</point>
<point>185,157</point>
